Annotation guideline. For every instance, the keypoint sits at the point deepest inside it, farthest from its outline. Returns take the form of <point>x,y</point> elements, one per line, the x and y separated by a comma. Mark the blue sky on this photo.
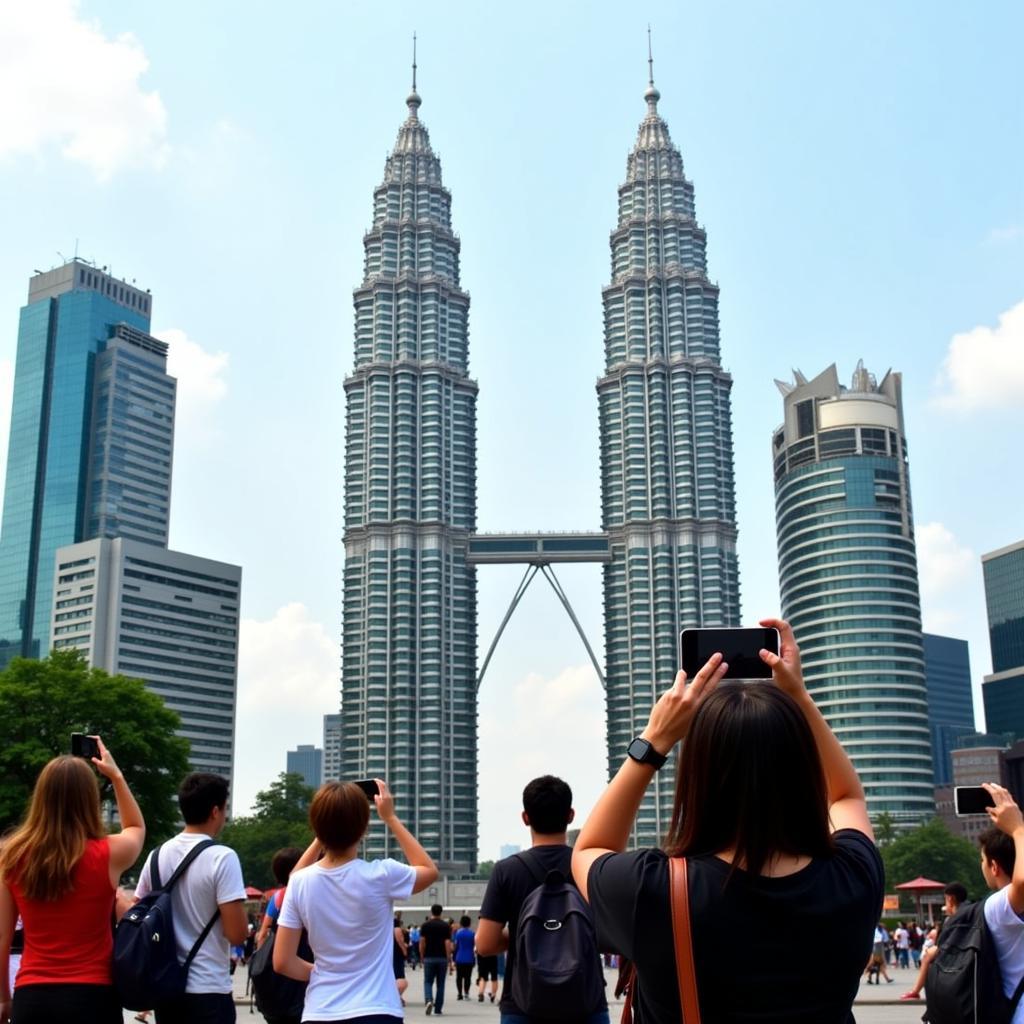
<point>859,170</point>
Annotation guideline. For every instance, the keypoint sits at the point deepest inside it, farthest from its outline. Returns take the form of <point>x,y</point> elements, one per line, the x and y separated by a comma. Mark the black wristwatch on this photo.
<point>643,753</point>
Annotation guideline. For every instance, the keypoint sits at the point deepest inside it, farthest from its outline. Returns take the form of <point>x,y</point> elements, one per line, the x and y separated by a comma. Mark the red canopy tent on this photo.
<point>919,887</point>
<point>252,893</point>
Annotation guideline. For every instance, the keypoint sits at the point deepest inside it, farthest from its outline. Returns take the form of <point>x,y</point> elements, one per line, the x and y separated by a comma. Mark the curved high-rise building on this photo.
<point>667,492</point>
<point>848,578</point>
<point>408,707</point>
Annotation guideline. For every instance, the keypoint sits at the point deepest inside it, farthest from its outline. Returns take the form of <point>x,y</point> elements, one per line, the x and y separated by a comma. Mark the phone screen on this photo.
<point>369,787</point>
<point>84,746</point>
<point>739,647</point>
<point>972,799</point>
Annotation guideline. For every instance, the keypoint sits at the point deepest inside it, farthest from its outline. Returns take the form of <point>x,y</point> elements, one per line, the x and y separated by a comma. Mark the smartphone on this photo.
<point>739,647</point>
<point>84,746</point>
<point>369,787</point>
<point>971,800</point>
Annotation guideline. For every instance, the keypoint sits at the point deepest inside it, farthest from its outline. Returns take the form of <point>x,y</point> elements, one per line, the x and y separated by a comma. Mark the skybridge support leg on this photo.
<point>524,583</point>
<point>549,575</point>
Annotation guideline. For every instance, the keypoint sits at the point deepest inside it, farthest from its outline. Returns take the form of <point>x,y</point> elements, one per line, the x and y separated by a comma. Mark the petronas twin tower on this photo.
<point>409,673</point>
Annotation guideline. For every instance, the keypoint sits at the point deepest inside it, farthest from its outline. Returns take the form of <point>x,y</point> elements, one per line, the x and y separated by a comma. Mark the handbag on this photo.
<point>682,940</point>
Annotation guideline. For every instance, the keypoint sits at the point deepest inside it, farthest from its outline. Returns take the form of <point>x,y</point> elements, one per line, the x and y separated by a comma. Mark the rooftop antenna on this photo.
<point>650,58</point>
<point>76,248</point>
<point>414,62</point>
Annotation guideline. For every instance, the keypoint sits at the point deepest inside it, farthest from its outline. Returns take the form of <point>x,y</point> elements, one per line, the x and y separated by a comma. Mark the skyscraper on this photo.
<point>332,748</point>
<point>667,492</point>
<point>307,761</point>
<point>165,617</point>
<point>848,578</point>
<point>1003,690</point>
<point>71,315</point>
<point>408,688</point>
<point>947,673</point>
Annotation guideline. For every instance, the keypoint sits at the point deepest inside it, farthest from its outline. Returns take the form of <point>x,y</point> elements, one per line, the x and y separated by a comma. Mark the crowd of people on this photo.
<point>769,845</point>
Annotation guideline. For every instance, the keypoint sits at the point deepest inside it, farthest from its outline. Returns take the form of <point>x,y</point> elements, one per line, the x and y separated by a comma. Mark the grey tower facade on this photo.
<point>848,578</point>
<point>667,489</point>
<point>408,692</point>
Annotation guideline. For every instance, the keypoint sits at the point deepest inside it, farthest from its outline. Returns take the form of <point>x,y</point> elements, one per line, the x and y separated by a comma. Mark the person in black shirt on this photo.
<point>772,820</point>
<point>547,812</point>
<point>436,954</point>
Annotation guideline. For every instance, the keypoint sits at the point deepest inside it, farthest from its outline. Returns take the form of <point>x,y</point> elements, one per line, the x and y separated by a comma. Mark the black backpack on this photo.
<point>964,984</point>
<point>146,968</point>
<point>274,994</point>
<point>558,968</point>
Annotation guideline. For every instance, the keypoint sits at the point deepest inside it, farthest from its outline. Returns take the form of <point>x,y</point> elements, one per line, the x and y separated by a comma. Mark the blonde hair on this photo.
<point>41,854</point>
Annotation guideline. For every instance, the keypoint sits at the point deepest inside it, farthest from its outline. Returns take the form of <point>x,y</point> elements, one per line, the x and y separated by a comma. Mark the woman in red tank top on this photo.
<point>60,872</point>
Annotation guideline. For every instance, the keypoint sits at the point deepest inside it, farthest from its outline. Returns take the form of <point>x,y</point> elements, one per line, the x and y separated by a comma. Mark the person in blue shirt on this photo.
<point>465,957</point>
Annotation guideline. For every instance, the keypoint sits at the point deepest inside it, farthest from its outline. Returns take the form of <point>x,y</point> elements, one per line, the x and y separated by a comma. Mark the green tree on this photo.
<point>43,702</point>
<point>885,829</point>
<point>484,869</point>
<point>280,818</point>
<point>933,851</point>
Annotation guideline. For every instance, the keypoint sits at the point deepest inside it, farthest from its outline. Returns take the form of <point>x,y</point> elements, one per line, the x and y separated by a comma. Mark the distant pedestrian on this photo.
<point>436,954</point>
<point>414,946</point>
<point>465,956</point>
<point>399,955</point>
<point>901,940</point>
<point>486,971</point>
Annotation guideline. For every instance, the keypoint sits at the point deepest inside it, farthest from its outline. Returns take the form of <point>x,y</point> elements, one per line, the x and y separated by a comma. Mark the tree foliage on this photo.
<point>484,869</point>
<point>933,851</point>
<point>280,818</point>
<point>885,829</point>
<point>43,702</point>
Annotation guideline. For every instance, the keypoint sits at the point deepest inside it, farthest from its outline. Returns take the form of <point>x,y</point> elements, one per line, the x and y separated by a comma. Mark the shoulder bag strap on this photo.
<point>202,938</point>
<point>186,861</point>
<point>154,869</point>
<point>1017,996</point>
<point>533,865</point>
<point>683,940</point>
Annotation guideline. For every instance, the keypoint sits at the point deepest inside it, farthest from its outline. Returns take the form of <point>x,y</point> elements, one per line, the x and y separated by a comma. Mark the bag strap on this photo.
<point>1017,996</point>
<point>683,940</point>
<point>154,869</point>
<point>202,938</point>
<point>185,863</point>
<point>533,865</point>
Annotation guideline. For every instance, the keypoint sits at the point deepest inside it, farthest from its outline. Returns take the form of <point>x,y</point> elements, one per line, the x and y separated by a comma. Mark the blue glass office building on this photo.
<point>1003,690</point>
<point>667,489</point>
<point>848,578</point>
<point>71,313</point>
<point>947,672</point>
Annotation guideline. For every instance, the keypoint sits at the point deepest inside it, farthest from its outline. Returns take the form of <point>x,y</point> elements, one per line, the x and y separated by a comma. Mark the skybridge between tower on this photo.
<point>538,552</point>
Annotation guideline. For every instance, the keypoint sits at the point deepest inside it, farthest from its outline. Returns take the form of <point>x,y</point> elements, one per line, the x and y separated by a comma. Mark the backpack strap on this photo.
<point>682,937</point>
<point>202,938</point>
<point>1017,996</point>
<point>536,868</point>
<point>186,861</point>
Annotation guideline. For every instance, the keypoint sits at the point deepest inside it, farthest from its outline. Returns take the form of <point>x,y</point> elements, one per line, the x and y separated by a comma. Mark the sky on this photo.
<point>859,169</point>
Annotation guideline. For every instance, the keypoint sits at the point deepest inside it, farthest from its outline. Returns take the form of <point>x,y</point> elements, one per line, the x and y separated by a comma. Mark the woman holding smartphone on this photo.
<point>60,872</point>
<point>346,906</point>
<point>771,818</point>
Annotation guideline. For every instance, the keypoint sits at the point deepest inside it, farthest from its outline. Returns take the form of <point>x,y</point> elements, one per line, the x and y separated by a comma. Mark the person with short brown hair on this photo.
<point>346,906</point>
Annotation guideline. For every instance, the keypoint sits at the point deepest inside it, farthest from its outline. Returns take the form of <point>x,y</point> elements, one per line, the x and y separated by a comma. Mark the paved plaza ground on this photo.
<point>876,1004</point>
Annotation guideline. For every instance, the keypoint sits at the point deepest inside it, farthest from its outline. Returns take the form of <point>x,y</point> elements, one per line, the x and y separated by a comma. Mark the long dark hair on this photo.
<point>749,779</point>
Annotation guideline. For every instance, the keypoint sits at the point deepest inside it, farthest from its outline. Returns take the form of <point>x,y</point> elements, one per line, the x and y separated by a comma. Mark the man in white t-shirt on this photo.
<point>1002,863</point>
<point>212,884</point>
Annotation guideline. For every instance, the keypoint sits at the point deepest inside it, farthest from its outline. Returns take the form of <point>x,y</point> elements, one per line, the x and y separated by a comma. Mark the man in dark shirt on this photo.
<point>547,812</point>
<point>436,953</point>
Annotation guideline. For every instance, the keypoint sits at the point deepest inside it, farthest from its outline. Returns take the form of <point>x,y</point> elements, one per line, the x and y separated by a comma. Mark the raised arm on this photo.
<point>608,827</point>
<point>126,845</point>
<point>418,858</point>
<point>1006,816</point>
<point>847,805</point>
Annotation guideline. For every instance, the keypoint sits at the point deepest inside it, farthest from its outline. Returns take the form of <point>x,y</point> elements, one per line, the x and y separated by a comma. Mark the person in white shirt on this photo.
<point>1002,864</point>
<point>345,904</point>
<point>212,885</point>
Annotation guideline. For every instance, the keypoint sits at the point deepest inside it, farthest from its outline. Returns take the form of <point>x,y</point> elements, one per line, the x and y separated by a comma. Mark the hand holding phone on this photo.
<point>740,649</point>
<point>369,787</point>
<point>84,746</point>
<point>972,800</point>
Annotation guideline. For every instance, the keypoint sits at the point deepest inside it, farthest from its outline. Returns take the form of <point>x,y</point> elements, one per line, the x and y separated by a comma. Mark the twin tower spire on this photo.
<point>668,530</point>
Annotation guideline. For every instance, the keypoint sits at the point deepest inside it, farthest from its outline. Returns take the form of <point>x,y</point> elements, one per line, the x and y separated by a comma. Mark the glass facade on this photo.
<point>61,332</point>
<point>408,687</point>
<point>1004,599</point>
<point>848,580</point>
<point>667,489</point>
<point>947,672</point>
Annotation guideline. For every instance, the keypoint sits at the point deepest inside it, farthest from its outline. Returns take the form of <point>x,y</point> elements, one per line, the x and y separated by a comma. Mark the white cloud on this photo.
<point>64,83</point>
<point>201,381</point>
<point>539,726</point>
<point>288,679</point>
<point>984,367</point>
<point>1010,233</point>
<point>947,570</point>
